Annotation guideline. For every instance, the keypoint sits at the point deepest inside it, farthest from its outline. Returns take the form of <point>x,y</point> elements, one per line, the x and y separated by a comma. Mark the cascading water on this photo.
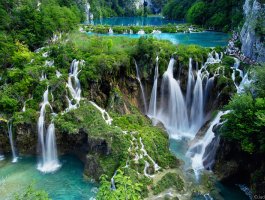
<point>189,84</point>
<point>10,135</point>
<point>141,86</point>
<point>203,151</point>
<point>172,113</point>
<point>197,109</point>
<point>197,152</point>
<point>49,159</point>
<point>182,117</point>
<point>152,111</point>
<point>74,85</point>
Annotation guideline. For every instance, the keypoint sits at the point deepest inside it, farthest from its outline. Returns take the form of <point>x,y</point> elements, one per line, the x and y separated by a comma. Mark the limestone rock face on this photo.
<point>253,31</point>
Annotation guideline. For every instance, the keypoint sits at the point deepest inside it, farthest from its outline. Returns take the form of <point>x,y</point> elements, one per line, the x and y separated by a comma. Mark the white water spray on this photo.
<point>49,159</point>
<point>74,85</point>
<point>141,86</point>
<point>10,135</point>
<point>152,111</point>
<point>197,152</point>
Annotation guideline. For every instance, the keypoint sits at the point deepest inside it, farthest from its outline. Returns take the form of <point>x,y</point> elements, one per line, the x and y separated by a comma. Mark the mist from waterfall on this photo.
<point>141,87</point>
<point>47,141</point>
<point>10,135</point>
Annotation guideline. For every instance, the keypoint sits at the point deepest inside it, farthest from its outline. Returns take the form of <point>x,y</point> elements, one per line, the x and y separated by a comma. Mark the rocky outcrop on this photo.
<point>235,166</point>
<point>253,31</point>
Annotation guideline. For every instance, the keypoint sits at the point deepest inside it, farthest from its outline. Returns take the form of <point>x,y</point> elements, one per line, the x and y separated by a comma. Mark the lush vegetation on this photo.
<point>170,180</point>
<point>32,23</point>
<point>126,188</point>
<point>219,15</point>
<point>246,123</point>
<point>169,28</point>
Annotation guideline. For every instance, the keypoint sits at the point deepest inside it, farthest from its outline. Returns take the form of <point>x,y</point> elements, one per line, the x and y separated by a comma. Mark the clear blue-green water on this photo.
<point>67,183</point>
<point>205,39</point>
<point>135,21</point>
<point>226,192</point>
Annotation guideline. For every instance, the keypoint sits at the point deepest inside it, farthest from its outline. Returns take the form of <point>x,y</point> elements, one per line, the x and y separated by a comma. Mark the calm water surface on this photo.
<point>67,183</point>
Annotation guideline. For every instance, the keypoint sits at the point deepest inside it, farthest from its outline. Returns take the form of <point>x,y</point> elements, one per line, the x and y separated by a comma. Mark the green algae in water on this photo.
<point>67,183</point>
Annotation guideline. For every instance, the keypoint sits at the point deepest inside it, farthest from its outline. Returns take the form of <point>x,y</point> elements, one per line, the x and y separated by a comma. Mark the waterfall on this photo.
<point>245,79</point>
<point>197,109</point>
<point>189,84</point>
<point>104,113</point>
<point>10,135</point>
<point>74,85</point>
<point>197,152</point>
<point>49,158</point>
<point>113,186</point>
<point>141,86</point>
<point>110,31</point>
<point>172,113</point>
<point>2,157</point>
<point>182,117</point>
<point>87,11</point>
<point>141,32</point>
<point>152,105</point>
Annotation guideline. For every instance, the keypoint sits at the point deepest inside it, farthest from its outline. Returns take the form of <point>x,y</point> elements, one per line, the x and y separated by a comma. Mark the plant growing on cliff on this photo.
<point>246,123</point>
<point>125,188</point>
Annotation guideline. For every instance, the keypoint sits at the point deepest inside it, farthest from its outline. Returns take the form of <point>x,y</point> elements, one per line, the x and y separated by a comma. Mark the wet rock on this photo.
<point>252,36</point>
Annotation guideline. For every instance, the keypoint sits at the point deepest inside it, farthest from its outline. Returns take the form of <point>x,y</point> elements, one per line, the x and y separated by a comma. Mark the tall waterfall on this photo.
<point>182,116</point>
<point>74,85</point>
<point>47,142</point>
<point>189,84</point>
<point>172,112</point>
<point>152,111</point>
<point>203,150</point>
<point>10,135</point>
<point>197,152</point>
<point>141,86</point>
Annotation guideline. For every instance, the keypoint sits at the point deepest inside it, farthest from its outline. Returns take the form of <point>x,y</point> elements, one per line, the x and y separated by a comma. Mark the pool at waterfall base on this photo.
<point>68,183</point>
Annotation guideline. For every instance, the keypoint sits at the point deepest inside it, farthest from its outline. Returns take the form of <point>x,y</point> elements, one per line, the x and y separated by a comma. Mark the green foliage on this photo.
<point>219,15</point>
<point>259,82</point>
<point>33,24</point>
<point>154,139</point>
<point>126,188</point>
<point>196,14</point>
<point>197,53</point>
<point>32,194</point>
<point>245,123</point>
<point>170,180</point>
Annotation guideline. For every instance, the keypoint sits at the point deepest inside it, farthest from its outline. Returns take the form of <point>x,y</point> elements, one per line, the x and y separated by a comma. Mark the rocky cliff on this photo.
<point>253,31</point>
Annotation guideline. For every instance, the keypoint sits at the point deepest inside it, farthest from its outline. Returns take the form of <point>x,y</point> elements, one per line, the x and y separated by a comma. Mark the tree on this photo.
<point>197,13</point>
<point>125,188</point>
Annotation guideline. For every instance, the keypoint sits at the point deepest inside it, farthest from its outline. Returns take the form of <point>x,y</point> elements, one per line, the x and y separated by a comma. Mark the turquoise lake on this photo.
<point>67,183</point>
<point>136,21</point>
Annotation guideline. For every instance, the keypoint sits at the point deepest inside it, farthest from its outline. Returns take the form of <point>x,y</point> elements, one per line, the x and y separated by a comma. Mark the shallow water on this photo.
<point>205,39</point>
<point>136,21</point>
<point>67,183</point>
